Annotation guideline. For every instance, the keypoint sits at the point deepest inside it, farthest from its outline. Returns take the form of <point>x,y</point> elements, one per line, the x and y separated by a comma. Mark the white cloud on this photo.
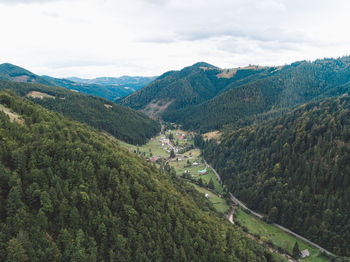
<point>147,37</point>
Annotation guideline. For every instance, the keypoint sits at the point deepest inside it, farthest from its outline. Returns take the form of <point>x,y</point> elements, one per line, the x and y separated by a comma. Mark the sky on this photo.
<point>92,38</point>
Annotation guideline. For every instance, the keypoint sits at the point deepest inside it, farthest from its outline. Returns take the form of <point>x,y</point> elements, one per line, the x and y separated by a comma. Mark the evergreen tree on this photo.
<point>296,250</point>
<point>211,184</point>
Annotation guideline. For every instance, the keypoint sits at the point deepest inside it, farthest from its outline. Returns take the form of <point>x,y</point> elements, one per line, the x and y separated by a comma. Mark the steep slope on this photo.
<point>180,90</point>
<point>19,74</point>
<point>68,193</point>
<point>121,122</point>
<point>295,169</point>
<point>204,98</point>
<point>285,88</point>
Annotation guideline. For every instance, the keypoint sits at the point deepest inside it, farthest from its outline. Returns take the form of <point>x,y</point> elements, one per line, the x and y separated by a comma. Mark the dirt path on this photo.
<point>230,214</point>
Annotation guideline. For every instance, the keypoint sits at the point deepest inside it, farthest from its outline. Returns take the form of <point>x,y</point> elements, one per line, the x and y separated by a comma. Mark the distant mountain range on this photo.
<point>134,82</point>
<point>124,123</point>
<point>110,88</point>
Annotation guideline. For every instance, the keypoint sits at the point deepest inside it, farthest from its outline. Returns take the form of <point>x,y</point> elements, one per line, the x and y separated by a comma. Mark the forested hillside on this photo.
<point>285,88</point>
<point>19,74</point>
<point>179,90</point>
<point>124,123</point>
<point>110,88</point>
<point>68,193</point>
<point>295,169</point>
<point>204,98</point>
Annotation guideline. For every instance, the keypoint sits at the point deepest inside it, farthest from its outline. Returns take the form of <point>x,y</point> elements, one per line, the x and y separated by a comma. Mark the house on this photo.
<point>187,171</point>
<point>153,159</point>
<point>202,172</point>
<point>207,196</point>
<point>195,164</point>
<point>305,253</point>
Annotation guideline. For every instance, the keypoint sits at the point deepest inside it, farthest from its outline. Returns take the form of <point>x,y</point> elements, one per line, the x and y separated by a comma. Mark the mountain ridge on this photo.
<point>110,88</point>
<point>208,99</point>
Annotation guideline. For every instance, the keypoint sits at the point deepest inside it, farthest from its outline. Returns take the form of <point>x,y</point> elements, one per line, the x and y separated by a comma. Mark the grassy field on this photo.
<point>193,154</point>
<point>219,203</point>
<point>278,237</point>
<point>153,146</point>
<point>180,169</point>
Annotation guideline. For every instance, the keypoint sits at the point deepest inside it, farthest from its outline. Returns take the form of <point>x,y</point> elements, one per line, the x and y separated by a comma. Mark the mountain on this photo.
<point>135,82</point>
<point>110,92</point>
<point>180,90</point>
<point>294,168</point>
<point>124,123</point>
<point>205,98</point>
<point>284,89</point>
<point>19,74</point>
<point>69,193</point>
<point>106,87</point>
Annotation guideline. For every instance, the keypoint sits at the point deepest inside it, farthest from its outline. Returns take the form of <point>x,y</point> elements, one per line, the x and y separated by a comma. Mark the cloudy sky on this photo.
<point>89,38</point>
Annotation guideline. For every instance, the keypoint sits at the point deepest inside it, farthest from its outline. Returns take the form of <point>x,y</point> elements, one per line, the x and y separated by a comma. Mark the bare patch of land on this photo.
<point>154,108</point>
<point>108,106</point>
<point>22,78</point>
<point>36,94</point>
<point>212,135</point>
<point>229,73</point>
<point>13,116</point>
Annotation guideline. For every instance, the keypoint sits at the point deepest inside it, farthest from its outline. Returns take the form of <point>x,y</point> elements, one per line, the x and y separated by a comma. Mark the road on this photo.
<point>235,200</point>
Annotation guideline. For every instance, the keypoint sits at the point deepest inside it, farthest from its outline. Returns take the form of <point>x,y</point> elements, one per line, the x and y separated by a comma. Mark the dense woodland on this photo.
<point>68,193</point>
<point>201,100</point>
<point>295,169</point>
<point>124,123</point>
<point>190,86</point>
<point>283,89</point>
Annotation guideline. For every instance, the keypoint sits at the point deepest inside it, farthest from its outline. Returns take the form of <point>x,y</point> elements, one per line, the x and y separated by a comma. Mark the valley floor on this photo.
<point>189,164</point>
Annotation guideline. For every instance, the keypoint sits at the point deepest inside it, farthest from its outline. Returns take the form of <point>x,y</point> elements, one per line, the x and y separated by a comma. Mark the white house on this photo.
<point>305,253</point>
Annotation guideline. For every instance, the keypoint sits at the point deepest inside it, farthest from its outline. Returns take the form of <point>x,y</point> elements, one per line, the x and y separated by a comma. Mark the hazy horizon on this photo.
<point>95,38</point>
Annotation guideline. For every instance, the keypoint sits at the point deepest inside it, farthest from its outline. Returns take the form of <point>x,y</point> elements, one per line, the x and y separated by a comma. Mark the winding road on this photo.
<point>235,200</point>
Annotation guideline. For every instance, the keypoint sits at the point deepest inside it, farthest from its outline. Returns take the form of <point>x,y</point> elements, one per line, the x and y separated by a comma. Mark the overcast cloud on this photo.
<point>90,38</point>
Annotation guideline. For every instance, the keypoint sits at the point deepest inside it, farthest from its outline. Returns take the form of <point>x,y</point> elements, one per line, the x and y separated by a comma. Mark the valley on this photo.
<point>244,139</point>
<point>158,151</point>
<point>177,131</point>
